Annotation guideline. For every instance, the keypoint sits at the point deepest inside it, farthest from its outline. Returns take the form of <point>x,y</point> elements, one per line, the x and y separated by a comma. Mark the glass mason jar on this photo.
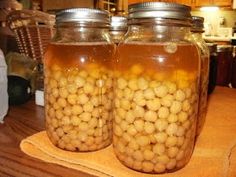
<point>233,75</point>
<point>224,66</point>
<point>156,82</point>
<point>213,67</point>
<point>78,81</point>
<point>197,30</point>
<point>118,28</point>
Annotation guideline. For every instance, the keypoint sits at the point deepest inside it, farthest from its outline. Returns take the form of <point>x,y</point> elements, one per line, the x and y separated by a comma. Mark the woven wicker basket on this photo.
<point>33,31</point>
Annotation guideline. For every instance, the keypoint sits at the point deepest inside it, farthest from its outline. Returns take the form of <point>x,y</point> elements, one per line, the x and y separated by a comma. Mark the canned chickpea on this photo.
<point>156,89</point>
<point>79,83</point>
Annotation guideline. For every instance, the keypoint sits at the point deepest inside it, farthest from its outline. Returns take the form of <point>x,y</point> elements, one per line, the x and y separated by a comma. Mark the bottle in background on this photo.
<point>3,87</point>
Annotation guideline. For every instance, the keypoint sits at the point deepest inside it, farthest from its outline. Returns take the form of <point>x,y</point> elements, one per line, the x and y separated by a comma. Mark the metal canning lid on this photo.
<point>118,23</point>
<point>159,10</point>
<point>82,15</point>
<point>197,23</point>
<point>224,48</point>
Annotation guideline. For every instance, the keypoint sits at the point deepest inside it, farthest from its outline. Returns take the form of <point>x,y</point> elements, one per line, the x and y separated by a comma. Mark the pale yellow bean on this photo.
<point>63,92</point>
<point>83,126</point>
<point>172,118</point>
<point>76,109</point>
<point>131,130</point>
<point>124,125</point>
<point>62,102</point>
<point>159,149</point>
<point>85,116</point>
<point>163,159</point>
<point>117,130</point>
<point>161,137</point>
<point>171,164</point>
<point>180,95</point>
<point>133,145</point>
<point>121,83</point>
<point>88,107</point>
<point>127,137</point>
<point>161,91</point>
<point>176,107</point>
<point>59,114</point>
<point>138,155</point>
<point>72,88</point>
<point>139,125</point>
<point>129,117</point>
<point>163,112</point>
<point>150,116</point>
<point>82,99</point>
<point>133,84</point>
<point>159,168</point>
<point>129,161</point>
<point>79,81</point>
<point>75,120</point>
<point>147,166</point>
<point>149,94</point>
<point>149,127</point>
<point>142,83</point>
<point>67,111</point>
<point>171,141</point>
<point>172,152</point>
<point>63,82</point>
<point>137,165</point>
<point>72,99</point>
<point>138,111</point>
<point>148,154</point>
<point>143,140</point>
<point>167,100</point>
<point>172,129</point>
<point>161,124</point>
<point>154,104</point>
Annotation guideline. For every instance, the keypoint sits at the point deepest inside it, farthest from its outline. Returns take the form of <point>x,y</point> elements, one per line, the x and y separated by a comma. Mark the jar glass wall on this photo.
<point>78,81</point>
<point>197,30</point>
<point>213,67</point>
<point>156,89</point>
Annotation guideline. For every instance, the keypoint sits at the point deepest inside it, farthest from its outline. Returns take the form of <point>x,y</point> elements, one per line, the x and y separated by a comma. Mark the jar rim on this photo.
<point>224,48</point>
<point>160,21</point>
<point>197,24</point>
<point>159,10</point>
<point>82,15</point>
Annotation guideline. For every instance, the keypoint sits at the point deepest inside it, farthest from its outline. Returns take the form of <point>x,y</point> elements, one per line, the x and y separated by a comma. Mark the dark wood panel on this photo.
<point>63,4</point>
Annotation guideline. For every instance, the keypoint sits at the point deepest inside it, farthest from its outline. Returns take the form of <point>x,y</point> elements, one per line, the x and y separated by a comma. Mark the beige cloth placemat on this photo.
<point>204,162</point>
<point>210,157</point>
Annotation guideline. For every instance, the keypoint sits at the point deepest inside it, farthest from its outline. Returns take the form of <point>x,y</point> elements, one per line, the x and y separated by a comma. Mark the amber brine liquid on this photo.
<point>78,95</point>
<point>155,105</point>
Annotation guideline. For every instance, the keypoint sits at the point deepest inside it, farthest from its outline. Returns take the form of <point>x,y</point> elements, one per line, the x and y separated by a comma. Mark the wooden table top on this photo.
<point>22,121</point>
<point>27,119</point>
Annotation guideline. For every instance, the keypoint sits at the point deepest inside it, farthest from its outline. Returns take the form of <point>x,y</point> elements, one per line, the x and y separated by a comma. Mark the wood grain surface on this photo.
<point>21,122</point>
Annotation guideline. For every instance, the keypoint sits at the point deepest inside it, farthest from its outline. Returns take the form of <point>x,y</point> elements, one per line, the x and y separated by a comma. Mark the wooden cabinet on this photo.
<point>185,2</point>
<point>49,5</point>
<point>220,3</point>
<point>223,3</point>
<point>139,1</point>
<point>199,3</point>
<point>192,3</point>
<point>109,5</point>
